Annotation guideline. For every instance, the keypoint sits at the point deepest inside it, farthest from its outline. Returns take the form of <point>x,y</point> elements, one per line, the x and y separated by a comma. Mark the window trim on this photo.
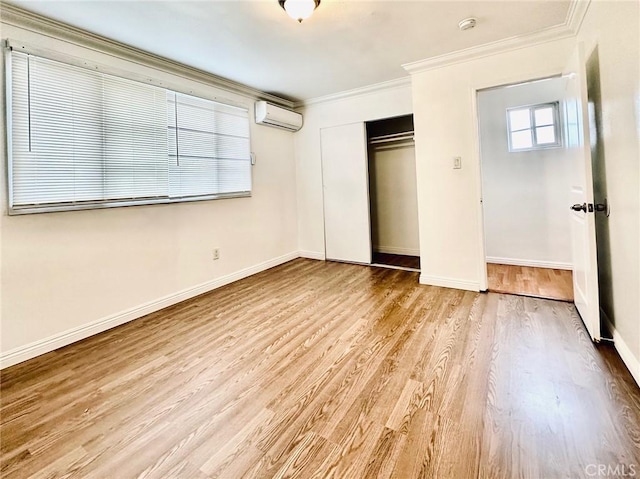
<point>8,121</point>
<point>99,204</point>
<point>94,205</point>
<point>555,106</point>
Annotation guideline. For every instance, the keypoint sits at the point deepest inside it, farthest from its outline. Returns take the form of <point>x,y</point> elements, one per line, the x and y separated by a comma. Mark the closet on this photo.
<point>393,192</point>
<point>369,193</point>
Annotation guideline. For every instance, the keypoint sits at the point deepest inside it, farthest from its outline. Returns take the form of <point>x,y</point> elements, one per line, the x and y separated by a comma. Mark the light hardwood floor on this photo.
<point>318,369</point>
<point>538,282</point>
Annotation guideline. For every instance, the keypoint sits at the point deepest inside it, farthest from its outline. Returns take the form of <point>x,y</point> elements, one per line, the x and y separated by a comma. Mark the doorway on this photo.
<point>393,202</point>
<point>526,183</point>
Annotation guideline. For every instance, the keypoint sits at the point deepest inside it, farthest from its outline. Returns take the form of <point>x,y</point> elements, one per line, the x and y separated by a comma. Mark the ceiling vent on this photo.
<point>277,117</point>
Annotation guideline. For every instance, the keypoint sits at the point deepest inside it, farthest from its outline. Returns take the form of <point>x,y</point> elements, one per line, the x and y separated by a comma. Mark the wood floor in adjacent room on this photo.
<point>319,369</point>
<point>539,282</point>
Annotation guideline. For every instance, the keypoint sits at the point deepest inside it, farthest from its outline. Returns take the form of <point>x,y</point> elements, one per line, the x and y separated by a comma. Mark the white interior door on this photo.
<point>345,181</point>
<point>583,227</point>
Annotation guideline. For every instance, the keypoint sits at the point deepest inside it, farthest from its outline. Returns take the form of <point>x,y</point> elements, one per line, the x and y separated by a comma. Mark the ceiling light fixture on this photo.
<point>299,9</point>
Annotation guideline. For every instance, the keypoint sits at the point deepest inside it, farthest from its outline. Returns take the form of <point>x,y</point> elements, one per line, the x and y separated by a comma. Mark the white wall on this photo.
<point>614,28</point>
<point>375,105</point>
<point>394,203</point>
<point>446,127</point>
<point>525,194</point>
<point>64,273</point>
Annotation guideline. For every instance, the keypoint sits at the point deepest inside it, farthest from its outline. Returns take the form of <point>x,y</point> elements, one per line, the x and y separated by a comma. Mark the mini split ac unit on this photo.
<point>278,117</point>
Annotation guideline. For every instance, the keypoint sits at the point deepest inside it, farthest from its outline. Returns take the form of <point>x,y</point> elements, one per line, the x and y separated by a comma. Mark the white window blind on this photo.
<point>209,147</point>
<point>83,139</point>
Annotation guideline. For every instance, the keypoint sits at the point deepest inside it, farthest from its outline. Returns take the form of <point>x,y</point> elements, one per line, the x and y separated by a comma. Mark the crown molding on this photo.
<point>18,17</point>
<point>569,28</point>
<point>488,49</point>
<point>575,15</point>
<point>375,88</point>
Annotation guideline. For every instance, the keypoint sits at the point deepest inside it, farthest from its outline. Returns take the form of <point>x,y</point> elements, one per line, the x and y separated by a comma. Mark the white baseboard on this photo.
<point>632,363</point>
<point>65,338</point>
<point>396,250</point>
<point>449,283</point>
<point>312,255</point>
<point>529,262</point>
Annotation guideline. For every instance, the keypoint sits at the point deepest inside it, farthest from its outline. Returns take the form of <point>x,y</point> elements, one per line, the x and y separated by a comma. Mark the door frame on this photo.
<point>477,156</point>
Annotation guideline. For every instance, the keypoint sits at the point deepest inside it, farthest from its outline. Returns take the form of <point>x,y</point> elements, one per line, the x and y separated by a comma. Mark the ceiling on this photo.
<point>344,45</point>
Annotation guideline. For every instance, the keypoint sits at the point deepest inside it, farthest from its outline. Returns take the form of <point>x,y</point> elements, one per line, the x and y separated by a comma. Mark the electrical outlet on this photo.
<point>216,253</point>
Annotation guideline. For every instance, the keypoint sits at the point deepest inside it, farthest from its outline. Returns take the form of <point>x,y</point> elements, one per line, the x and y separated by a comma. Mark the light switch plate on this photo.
<point>457,163</point>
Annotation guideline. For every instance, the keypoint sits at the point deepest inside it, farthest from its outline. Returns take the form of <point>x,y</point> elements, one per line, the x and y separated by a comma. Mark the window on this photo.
<point>79,138</point>
<point>533,127</point>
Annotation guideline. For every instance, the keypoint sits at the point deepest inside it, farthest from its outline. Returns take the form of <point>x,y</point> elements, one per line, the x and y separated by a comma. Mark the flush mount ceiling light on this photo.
<point>299,9</point>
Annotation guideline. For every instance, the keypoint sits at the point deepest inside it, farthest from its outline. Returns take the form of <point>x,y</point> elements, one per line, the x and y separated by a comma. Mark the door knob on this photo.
<point>579,207</point>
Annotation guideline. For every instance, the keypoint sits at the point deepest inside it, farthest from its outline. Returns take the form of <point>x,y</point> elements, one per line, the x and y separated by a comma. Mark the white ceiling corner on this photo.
<point>368,89</point>
<point>345,47</point>
<point>575,14</point>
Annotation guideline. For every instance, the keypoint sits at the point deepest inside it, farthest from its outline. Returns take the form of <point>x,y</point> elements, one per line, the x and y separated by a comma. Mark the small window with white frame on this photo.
<point>533,127</point>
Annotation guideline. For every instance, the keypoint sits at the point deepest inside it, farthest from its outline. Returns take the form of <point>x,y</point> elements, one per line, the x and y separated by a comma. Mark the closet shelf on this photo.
<point>404,136</point>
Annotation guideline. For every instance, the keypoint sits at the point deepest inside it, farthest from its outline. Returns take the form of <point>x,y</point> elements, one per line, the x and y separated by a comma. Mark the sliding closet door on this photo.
<point>346,193</point>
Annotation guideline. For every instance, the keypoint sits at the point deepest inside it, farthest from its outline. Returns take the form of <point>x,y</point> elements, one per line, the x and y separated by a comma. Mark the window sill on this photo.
<point>58,207</point>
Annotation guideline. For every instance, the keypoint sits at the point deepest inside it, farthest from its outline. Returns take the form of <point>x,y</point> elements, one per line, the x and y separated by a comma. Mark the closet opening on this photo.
<point>393,200</point>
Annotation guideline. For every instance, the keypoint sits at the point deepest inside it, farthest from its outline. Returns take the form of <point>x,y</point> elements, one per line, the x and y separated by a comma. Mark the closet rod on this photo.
<point>393,135</point>
<point>389,140</point>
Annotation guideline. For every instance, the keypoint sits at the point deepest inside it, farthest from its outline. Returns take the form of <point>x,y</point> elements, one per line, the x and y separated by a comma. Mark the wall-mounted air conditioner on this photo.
<point>278,117</point>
